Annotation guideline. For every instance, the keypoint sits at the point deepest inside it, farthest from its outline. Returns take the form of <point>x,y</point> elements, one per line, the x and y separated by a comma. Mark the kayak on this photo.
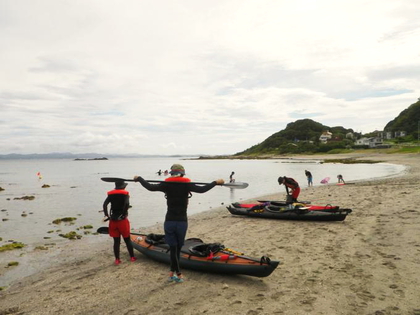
<point>206,257</point>
<point>282,202</point>
<point>290,211</point>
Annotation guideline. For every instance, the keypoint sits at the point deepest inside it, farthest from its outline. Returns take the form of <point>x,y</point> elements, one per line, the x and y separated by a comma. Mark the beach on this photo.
<point>367,264</point>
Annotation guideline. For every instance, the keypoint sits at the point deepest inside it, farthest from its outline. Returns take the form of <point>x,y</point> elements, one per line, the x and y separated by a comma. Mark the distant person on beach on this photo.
<point>118,221</point>
<point>309,177</point>
<point>231,179</point>
<point>176,220</point>
<point>166,173</point>
<point>290,183</point>
<point>159,172</point>
<point>340,179</point>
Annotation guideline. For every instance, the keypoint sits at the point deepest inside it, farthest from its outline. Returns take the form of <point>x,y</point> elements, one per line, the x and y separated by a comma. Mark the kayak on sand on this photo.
<point>290,211</point>
<point>200,256</point>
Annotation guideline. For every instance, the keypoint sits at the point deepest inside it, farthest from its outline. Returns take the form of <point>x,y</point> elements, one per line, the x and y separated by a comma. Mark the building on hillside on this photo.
<point>391,135</point>
<point>326,135</point>
<point>372,142</point>
<point>399,134</point>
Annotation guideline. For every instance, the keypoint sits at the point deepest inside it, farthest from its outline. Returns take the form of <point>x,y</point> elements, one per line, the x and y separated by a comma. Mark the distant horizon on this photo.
<point>90,155</point>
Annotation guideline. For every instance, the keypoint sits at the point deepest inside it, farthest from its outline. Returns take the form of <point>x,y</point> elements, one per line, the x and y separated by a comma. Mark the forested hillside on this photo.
<point>408,120</point>
<point>301,136</point>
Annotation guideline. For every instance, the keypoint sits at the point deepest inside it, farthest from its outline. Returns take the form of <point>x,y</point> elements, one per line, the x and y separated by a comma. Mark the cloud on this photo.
<point>199,77</point>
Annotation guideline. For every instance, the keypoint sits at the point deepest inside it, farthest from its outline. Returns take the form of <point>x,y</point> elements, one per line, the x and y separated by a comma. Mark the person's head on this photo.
<point>120,184</point>
<point>281,180</point>
<point>177,169</point>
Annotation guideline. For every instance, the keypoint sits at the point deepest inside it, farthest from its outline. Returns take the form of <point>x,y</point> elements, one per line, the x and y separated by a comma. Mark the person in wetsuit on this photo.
<point>119,198</point>
<point>290,183</point>
<point>177,189</point>
<point>309,177</point>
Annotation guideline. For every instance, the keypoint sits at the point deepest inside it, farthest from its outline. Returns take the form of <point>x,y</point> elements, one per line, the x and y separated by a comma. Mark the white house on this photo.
<point>372,142</point>
<point>326,135</point>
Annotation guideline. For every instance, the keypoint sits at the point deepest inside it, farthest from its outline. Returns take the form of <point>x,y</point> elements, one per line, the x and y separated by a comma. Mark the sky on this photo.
<point>199,77</point>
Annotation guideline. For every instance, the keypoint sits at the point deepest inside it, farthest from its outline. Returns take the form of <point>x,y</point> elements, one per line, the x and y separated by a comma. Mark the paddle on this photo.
<point>105,230</point>
<point>236,185</point>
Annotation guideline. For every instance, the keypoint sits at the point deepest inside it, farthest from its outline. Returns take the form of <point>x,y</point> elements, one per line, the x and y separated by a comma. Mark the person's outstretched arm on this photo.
<point>204,188</point>
<point>147,185</point>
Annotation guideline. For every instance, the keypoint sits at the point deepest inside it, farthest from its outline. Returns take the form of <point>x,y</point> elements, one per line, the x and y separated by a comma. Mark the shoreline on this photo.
<point>365,264</point>
<point>32,260</point>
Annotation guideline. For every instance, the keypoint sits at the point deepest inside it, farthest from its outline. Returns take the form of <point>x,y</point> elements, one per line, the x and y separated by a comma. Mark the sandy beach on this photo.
<point>367,264</point>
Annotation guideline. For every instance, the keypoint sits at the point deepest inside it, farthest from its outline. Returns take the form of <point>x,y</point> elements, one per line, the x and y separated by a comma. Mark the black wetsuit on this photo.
<point>177,195</point>
<point>177,192</point>
<point>120,202</point>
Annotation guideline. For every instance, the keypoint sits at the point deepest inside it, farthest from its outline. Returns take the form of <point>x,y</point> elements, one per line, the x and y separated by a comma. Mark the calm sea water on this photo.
<point>77,191</point>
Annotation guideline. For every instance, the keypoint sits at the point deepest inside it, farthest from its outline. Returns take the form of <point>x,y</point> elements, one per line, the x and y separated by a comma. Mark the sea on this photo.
<point>37,192</point>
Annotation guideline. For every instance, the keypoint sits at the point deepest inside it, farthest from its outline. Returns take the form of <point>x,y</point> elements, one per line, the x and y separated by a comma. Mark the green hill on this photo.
<point>301,136</point>
<point>408,120</point>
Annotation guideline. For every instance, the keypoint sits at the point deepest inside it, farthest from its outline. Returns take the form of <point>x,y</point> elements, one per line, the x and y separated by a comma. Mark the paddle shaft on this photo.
<point>238,185</point>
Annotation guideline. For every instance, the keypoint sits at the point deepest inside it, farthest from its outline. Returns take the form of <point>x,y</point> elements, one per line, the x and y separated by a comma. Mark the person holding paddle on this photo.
<point>177,189</point>
<point>290,183</point>
<point>118,221</point>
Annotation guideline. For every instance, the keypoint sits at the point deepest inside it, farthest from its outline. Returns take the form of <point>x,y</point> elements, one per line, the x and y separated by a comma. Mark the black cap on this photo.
<point>120,184</point>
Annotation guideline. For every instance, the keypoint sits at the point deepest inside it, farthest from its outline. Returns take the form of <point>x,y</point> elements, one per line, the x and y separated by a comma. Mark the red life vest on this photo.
<point>118,192</point>
<point>178,179</point>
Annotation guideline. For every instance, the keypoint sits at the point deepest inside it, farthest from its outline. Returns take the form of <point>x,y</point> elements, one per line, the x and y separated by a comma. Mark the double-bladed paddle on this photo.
<point>236,185</point>
<point>105,230</point>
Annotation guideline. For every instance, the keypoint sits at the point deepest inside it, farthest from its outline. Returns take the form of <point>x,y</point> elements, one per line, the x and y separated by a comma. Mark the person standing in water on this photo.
<point>118,221</point>
<point>231,179</point>
<point>177,189</point>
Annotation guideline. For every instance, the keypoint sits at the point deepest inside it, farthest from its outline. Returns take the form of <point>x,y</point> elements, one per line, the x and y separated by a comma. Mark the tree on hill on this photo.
<point>408,120</point>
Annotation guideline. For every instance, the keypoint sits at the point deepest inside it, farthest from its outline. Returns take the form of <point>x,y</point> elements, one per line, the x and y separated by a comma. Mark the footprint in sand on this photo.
<point>390,265</point>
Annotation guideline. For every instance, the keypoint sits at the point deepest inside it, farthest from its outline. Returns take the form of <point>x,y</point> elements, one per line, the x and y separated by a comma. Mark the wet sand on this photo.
<point>367,264</point>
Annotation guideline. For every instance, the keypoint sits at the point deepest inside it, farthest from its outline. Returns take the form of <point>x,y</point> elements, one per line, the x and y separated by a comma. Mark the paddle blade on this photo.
<point>103,230</point>
<point>115,179</point>
<point>236,185</point>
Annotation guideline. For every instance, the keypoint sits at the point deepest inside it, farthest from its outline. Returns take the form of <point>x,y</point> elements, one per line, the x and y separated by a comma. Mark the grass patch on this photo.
<point>351,161</point>
<point>66,219</point>
<point>12,246</point>
<point>25,198</point>
<point>41,247</point>
<point>71,235</point>
<point>408,150</point>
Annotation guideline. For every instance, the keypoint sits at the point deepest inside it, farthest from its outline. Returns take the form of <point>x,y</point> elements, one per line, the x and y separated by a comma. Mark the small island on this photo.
<point>94,159</point>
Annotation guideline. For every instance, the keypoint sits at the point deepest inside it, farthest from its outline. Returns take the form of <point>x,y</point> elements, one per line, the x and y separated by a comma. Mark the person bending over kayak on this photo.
<point>290,183</point>
<point>176,222</point>
<point>118,221</point>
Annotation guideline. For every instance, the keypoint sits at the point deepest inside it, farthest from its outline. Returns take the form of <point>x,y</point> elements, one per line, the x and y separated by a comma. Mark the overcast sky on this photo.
<point>196,76</point>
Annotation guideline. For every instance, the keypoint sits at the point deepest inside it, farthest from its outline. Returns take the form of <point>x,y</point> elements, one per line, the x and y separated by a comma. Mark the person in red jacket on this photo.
<point>290,183</point>
<point>177,189</point>
<point>118,221</point>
